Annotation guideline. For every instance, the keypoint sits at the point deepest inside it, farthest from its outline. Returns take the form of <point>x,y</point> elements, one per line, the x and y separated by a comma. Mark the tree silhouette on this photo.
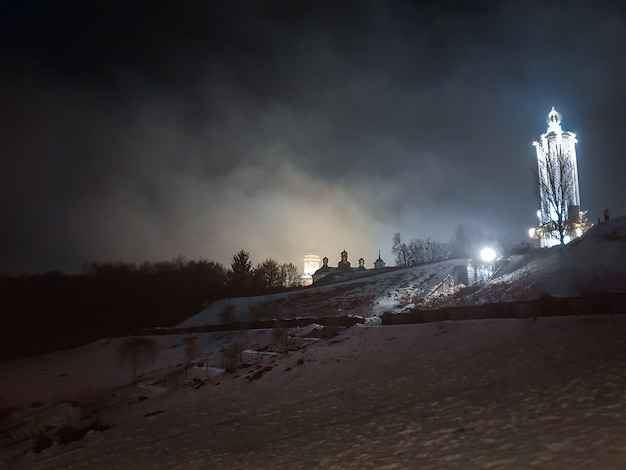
<point>557,188</point>
<point>269,275</point>
<point>291,275</point>
<point>401,252</point>
<point>418,251</point>
<point>240,275</point>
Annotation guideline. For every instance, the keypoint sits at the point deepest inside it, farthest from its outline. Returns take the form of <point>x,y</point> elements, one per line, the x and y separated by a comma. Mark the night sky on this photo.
<point>143,130</point>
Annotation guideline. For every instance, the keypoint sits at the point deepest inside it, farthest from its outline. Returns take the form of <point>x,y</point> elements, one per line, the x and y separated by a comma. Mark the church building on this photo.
<point>344,268</point>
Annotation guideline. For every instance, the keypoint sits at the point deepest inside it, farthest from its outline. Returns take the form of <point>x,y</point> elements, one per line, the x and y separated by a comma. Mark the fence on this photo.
<point>602,303</point>
<point>345,321</point>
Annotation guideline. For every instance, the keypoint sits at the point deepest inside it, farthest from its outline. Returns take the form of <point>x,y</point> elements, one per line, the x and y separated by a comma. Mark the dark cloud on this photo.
<point>143,130</point>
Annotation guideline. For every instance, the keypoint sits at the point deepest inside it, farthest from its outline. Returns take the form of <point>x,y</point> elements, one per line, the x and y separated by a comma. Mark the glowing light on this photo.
<point>554,121</point>
<point>311,264</point>
<point>488,255</point>
<point>531,232</point>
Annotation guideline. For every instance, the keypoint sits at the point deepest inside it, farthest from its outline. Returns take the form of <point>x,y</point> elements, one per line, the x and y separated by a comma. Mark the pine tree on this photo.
<point>240,275</point>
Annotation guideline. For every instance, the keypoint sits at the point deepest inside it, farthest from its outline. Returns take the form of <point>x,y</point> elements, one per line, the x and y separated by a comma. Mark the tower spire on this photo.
<point>554,121</point>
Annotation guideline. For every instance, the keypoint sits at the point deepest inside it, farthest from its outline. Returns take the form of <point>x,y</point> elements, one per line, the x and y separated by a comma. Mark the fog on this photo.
<point>139,133</point>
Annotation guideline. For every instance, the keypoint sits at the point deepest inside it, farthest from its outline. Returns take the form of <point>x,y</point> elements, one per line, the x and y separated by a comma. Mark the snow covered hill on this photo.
<point>544,393</point>
<point>595,262</point>
<point>370,295</point>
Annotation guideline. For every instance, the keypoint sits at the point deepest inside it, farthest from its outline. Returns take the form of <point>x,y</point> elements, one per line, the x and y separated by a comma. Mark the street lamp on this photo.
<point>487,268</point>
<point>488,255</point>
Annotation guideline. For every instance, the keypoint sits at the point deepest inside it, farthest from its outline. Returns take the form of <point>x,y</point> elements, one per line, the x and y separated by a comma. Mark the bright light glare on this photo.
<point>487,255</point>
<point>531,232</point>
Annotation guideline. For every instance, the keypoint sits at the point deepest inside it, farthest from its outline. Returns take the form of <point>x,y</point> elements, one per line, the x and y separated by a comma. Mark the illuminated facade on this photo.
<point>559,214</point>
<point>311,264</point>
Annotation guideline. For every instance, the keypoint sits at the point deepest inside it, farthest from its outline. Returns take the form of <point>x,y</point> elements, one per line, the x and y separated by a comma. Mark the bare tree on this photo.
<point>401,251</point>
<point>557,190</point>
<point>291,275</point>
<point>418,251</point>
<point>269,274</point>
<point>438,250</point>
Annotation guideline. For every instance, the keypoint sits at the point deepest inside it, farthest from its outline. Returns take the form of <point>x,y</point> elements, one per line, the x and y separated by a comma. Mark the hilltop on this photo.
<point>372,294</point>
<point>593,263</point>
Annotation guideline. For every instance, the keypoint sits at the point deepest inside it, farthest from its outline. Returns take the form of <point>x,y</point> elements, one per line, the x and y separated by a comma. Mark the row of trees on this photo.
<point>465,242</point>
<point>268,275</point>
<point>418,251</point>
<point>241,279</point>
<point>51,311</point>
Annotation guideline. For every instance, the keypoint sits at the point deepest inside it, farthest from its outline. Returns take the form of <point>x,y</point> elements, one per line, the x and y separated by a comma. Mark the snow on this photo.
<point>479,394</point>
<point>369,295</point>
<point>593,263</point>
<point>547,393</point>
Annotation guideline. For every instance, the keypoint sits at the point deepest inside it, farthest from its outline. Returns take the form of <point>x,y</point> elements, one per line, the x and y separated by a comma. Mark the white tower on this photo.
<point>311,264</point>
<point>559,213</point>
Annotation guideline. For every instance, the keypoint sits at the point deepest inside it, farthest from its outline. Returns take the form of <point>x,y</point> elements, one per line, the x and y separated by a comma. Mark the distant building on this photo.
<point>344,264</point>
<point>379,263</point>
<point>324,271</point>
<point>311,264</point>
<point>344,268</point>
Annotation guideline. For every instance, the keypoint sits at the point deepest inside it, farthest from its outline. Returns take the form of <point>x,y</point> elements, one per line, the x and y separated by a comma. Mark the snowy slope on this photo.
<point>548,393</point>
<point>391,290</point>
<point>544,394</point>
<point>593,263</point>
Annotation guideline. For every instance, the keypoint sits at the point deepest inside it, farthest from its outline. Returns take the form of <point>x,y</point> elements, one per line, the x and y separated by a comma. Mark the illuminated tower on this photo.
<point>311,264</point>
<point>560,218</point>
